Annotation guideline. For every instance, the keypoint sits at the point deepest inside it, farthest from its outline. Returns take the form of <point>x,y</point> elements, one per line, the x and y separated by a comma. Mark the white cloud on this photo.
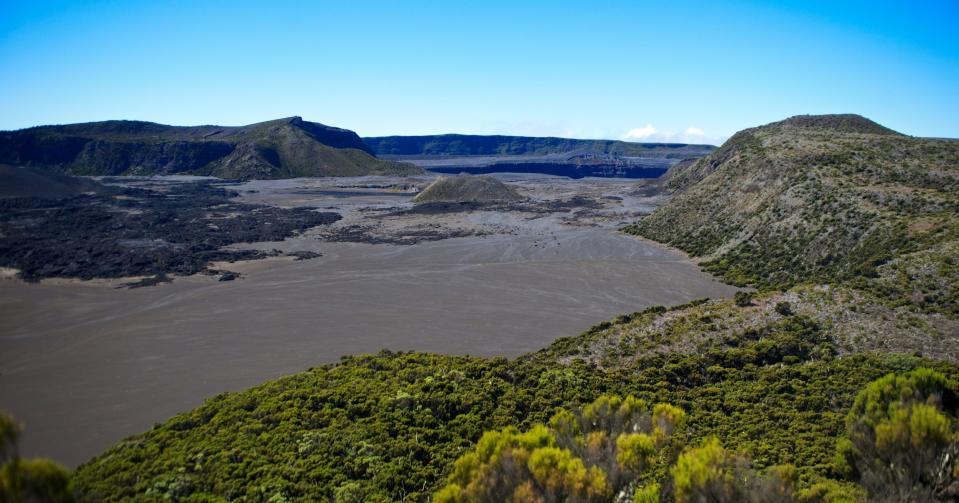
<point>537,128</point>
<point>641,133</point>
<point>644,134</point>
<point>650,134</point>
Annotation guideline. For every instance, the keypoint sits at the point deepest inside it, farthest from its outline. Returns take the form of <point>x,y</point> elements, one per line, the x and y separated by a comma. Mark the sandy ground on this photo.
<point>84,364</point>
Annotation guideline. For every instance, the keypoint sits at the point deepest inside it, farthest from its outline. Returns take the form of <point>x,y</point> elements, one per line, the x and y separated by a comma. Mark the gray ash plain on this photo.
<point>85,364</point>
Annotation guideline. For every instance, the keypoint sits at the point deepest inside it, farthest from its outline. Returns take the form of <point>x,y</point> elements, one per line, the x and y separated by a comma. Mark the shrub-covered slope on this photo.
<point>822,199</point>
<point>283,148</point>
<point>773,379</point>
<point>850,321</point>
<point>388,427</point>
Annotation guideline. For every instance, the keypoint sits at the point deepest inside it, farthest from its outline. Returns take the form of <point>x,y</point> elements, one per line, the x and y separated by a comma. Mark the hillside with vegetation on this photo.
<point>284,148</point>
<point>823,199</point>
<point>834,382</point>
<point>389,427</point>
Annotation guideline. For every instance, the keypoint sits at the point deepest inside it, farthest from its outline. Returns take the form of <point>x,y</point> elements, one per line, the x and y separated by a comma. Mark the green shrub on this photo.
<point>584,455</point>
<point>28,480</point>
<point>649,493</point>
<point>902,441</point>
<point>831,491</point>
<point>712,473</point>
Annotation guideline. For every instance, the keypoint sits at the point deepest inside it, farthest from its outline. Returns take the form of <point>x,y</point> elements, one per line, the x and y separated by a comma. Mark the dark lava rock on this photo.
<point>151,281</point>
<point>367,234</point>
<point>140,232</point>
<point>305,255</point>
<point>439,208</point>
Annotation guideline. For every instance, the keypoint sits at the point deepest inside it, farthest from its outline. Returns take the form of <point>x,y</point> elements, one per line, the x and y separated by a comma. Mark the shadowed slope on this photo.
<point>28,182</point>
<point>283,148</point>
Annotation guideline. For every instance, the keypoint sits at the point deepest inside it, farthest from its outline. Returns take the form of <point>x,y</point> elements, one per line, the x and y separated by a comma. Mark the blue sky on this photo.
<point>679,71</point>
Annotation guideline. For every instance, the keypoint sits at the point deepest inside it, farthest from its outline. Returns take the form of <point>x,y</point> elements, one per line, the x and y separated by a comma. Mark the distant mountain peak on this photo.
<point>845,123</point>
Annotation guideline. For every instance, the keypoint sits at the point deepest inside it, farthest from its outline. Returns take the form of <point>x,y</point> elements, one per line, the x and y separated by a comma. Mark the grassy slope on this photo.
<point>774,382</point>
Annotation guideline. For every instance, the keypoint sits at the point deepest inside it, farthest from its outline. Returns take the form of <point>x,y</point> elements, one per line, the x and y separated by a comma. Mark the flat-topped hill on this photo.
<point>284,148</point>
<point>486,145</point>
<point>574,158</point>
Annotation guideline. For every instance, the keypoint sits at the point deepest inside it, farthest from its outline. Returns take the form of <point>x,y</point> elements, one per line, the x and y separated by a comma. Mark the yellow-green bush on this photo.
<point>708,473</point>
<point>711,472</point>
<point>586,455</point>
<point>902,437</point>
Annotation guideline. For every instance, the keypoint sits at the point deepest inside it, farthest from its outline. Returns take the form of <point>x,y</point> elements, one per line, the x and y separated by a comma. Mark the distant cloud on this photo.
<point>648,133</point>
<point>538,128</point>
<point>645,134</point>
<point>641,133</point>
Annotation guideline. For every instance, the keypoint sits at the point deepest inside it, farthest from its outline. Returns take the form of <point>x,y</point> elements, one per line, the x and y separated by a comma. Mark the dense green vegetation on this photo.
<point>586,455</point>
<point>284,148</point>
<point>901,441</point>
<point>388,427</point>
<point>836,382</point>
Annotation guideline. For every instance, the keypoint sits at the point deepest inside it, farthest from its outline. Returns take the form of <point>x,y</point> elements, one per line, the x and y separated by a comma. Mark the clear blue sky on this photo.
<point>584,69</point>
